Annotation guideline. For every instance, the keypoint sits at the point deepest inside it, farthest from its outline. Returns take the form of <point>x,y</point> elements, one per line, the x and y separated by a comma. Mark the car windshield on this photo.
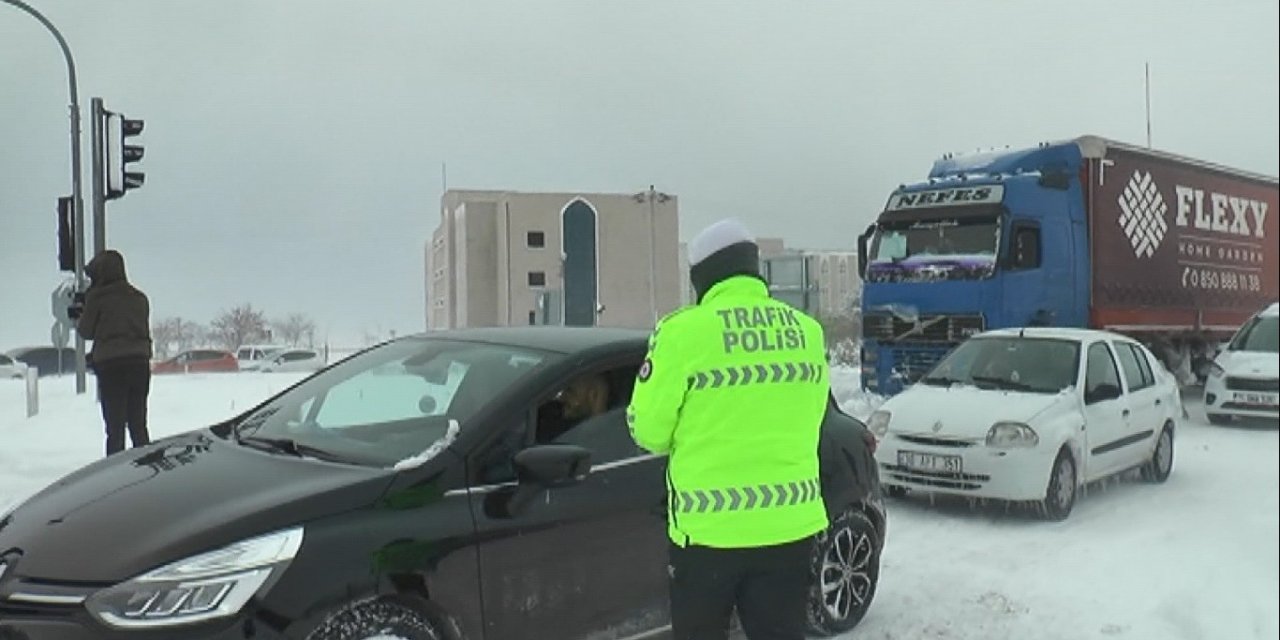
<point>963,248</point>
<point>391,403</point>
<point>1260,334</point>
<point>1036,365</point>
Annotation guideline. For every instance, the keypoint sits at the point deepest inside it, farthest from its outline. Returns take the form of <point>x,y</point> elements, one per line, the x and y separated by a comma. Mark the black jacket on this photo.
<point>116,315</point>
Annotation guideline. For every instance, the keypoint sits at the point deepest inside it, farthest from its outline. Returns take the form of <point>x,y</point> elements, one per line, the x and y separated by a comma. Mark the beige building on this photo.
<point>503,258</point>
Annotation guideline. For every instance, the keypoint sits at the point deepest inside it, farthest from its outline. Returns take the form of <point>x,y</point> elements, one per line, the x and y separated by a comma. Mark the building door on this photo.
<point>579,245</point>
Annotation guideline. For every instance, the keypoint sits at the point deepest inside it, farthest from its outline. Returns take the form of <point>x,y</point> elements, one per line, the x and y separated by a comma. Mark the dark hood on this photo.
<point>738,259</point>
<point>106,267</point>
<point>132,512</point>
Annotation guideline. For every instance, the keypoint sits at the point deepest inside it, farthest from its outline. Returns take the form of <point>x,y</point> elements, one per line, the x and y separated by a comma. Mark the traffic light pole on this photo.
<point>97,132</point>
<point>77,197</point>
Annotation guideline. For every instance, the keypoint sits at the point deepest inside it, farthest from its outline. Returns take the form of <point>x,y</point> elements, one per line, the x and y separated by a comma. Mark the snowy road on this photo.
<point>1195,558</point>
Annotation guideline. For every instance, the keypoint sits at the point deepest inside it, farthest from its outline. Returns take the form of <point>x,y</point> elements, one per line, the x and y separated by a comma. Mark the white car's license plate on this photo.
<point>1257,399</point>
<point>917,461</point>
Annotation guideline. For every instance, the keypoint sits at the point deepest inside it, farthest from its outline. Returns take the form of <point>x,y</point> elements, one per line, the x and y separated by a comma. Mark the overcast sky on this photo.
<point>294,148</point>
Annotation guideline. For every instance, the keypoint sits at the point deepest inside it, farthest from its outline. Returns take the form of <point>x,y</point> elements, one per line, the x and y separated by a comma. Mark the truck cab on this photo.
<point>988,241</point>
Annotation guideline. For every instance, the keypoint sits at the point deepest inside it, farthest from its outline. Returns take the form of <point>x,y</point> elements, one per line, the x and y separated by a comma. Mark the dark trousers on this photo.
<point>123,386</point>
<point>769,586</point>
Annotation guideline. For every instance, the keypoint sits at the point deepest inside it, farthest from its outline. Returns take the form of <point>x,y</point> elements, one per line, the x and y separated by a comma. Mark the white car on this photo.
<point>1244,380</point>
<point>252,354</point>
<point>10,368</point>
<point>1030,415</point>
<point>291,360</point>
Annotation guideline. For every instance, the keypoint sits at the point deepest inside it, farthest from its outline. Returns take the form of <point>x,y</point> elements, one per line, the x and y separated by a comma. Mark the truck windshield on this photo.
<point>1034,365</point>
<point>1260,334</point>
<point>949,249</point>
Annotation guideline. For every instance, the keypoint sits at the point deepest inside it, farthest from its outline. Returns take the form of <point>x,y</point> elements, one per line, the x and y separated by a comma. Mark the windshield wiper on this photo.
<point>942,381</point>
<point>1004,383</point>
<point>291,447</point>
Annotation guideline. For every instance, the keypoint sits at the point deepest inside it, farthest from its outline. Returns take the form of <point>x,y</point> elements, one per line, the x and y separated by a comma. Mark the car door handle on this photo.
<point>1125,413</point>
<point>1158,401</point>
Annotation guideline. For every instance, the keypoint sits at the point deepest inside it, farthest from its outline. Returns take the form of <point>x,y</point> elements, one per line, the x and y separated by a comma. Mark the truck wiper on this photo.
<point>291,447</point>
<point>1004,383</point>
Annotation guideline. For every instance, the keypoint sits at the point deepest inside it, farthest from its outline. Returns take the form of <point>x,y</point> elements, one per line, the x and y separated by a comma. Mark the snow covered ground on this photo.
<point>1196,558</point>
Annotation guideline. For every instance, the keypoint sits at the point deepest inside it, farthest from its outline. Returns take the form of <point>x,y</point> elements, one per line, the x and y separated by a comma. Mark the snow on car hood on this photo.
<point>1250,364</point>
<point>967,411</point>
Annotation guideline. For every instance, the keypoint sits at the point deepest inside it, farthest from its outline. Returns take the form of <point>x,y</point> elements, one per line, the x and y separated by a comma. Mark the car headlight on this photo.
<point>203,587</point>
<point>1216,370</point>
<point>1011,434</point>
<point>878,423</point>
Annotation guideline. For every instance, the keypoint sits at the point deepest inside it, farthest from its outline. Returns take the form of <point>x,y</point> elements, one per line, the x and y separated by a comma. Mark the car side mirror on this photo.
<point>862,251</point>
<point>1104,391</point>
<point>553,465</point>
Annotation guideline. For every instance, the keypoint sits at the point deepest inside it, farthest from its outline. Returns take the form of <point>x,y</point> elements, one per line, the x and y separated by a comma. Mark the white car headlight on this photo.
<point>878,423</point>
<point>1011,434</point>
<point>211,585</point>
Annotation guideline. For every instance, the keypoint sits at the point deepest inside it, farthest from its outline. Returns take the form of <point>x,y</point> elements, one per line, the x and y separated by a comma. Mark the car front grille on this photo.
<point>1236,383</point>
<point>937,442</point>
<point>934,328</point>
<point>962,481</point>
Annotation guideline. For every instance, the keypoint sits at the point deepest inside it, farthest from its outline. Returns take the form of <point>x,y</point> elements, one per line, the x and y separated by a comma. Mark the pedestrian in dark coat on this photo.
<point>116,317</point>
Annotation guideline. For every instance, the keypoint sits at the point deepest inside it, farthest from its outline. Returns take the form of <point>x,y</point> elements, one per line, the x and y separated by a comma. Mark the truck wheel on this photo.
<point>1157,469</point>
<point>390,618</point>
<point>1060,497</point>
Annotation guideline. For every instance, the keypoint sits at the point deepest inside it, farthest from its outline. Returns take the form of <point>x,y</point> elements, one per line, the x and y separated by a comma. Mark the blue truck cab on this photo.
<point>989,240</point>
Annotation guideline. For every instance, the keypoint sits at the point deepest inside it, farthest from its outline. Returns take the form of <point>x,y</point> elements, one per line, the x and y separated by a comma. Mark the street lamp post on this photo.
<point>76,198</point>
<point>653,197</point>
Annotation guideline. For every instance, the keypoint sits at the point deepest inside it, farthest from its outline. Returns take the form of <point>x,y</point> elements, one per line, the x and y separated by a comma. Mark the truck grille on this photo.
<point>1253,384</point>
<point>885,327</point>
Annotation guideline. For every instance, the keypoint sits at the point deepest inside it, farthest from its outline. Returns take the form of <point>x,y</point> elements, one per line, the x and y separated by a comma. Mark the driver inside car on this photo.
<point>584,398</point>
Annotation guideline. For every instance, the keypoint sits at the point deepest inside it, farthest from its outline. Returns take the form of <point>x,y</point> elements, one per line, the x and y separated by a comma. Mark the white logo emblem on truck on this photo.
<point>1142,214</point>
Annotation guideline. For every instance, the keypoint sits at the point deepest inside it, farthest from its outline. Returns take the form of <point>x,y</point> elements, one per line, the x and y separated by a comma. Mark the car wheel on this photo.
<point>387,619</point>
<point>845,567</point>
<point>895,491</point>
<point>1219,418</point>
<point>1157,469</point>
<point>1060,497</point>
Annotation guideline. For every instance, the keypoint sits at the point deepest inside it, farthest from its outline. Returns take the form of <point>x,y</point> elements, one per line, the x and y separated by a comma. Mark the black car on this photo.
<point>431,487</point>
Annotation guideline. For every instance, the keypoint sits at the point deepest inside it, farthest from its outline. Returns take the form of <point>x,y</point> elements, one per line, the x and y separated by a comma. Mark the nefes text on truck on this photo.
<point>1089,232</point>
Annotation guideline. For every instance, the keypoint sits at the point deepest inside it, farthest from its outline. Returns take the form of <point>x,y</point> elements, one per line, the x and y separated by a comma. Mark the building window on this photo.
<point>537,279</point>
<point>533,318</point>
<point>535,239</point>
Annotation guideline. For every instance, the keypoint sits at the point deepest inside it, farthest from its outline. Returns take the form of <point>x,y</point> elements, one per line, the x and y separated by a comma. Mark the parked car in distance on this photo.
<point>255,352</point>
<point>198,361</point>
<point>354,505</point>
<point>1244,380</point>
<point>10,368</point>
<point>288,360</point>
<point>50,361</point>
<point>1030,415</point>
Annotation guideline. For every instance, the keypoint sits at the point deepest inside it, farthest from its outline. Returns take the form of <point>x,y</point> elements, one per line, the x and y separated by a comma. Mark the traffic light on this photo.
<point>120,178</point>
<point>66,234</point>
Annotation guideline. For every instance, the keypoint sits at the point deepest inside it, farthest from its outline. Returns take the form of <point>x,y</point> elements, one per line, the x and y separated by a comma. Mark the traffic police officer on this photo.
<point>734,389</point>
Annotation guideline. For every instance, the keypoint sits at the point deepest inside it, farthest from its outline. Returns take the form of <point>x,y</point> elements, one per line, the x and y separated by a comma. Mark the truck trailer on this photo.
<point>1173,251</point>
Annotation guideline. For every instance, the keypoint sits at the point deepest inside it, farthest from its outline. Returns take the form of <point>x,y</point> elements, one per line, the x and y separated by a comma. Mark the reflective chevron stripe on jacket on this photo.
<point>745,498</point>
<point>756,374</point>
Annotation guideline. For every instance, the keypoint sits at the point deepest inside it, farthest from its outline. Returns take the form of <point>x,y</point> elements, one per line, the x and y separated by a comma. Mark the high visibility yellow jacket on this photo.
<point>734,389</point>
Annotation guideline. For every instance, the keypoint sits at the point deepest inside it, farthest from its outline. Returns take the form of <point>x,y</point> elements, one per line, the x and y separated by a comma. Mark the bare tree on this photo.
<point>238,326</point>
<point>296,329</point>
<point>173,334</point>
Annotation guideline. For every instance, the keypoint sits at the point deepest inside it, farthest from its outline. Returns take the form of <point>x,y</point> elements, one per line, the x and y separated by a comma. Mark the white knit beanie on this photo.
<point>723,233</point>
